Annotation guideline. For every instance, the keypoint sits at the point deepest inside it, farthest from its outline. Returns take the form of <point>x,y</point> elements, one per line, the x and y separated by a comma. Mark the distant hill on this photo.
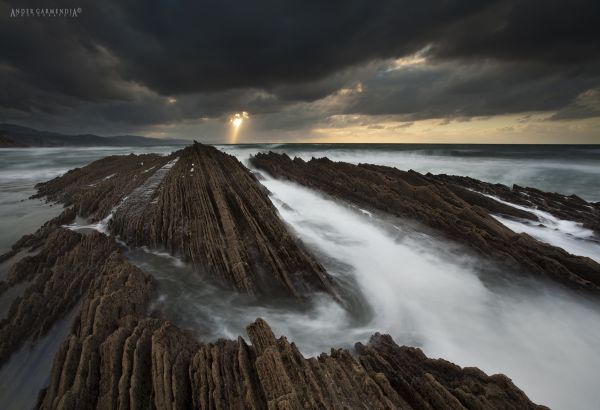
<point>16,136</point>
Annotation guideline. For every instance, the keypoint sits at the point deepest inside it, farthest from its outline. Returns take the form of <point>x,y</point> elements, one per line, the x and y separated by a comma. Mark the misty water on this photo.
<point>28,369</point>
<point>568,169</point>
<point>569,235</point>
<point>407,281</point>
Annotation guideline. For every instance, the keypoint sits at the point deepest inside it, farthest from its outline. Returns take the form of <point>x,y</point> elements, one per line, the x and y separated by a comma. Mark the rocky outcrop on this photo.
<point>461,214</point>
<point>70,270</point>
<point>210,209</point>
<point>566,207</point>
<point>60,275</point>
<point>150,363</point>
<point>118,355</point>
<point>154,364</point>
<point>94,190</point>
<point>202,205</point>
<point>109,340</point>
<point>32,242</point>
<point>436,383</point>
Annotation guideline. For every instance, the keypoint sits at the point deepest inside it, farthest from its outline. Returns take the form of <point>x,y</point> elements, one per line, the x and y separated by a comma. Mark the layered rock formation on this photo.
<point>116,356</point>
<point>94,190</point>
<point>202,205</point>
<point>440,203</point>
<point>106,343</point>
<point>119,355</point>
<point>60,274</point>
<point>128,362</point>
<point>32,242</point>
<point>566,207</point>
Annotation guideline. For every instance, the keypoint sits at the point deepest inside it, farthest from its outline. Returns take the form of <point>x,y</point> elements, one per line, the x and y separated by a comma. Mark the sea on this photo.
<point>411,282</point>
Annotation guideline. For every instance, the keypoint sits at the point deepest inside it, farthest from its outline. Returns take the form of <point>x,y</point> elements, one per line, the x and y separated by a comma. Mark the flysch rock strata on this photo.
<point>565,207</point>
<point>445,204</point>
<point>202,205</point>
<point>61,274</point>
<point>118,356</point>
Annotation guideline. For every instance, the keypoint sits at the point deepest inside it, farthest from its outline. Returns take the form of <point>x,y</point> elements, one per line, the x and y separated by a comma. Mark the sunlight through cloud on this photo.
<point>236,121</point>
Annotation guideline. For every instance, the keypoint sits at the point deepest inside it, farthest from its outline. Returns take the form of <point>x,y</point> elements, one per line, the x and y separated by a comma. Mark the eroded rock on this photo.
<point>61,274</point>
<point>118,357</point>
<point>202,205</point>
<point>461,214</point>
<point>566,207</point>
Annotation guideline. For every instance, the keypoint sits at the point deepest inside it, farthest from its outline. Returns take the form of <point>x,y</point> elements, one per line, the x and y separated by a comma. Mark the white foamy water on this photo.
<point>544,337</point>
<point>82,225</point>
<point>420,289</point>
<point>194,302</point>
<point>570,235</point>
<point>564,169</point>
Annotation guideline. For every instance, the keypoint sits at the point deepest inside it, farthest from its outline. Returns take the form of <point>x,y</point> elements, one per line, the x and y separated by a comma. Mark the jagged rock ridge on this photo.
<point>200,204</point>
<point>567,207</point>
<point>60,274</point>
<point>118,355</point>
<point>440,203</point>
<point>95,189</point>
<point>212,210</point>
<point>127,361</point>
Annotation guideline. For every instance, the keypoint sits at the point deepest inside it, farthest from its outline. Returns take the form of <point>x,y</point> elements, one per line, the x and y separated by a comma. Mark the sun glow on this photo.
<point>238,118</point>
<point>236,121</point>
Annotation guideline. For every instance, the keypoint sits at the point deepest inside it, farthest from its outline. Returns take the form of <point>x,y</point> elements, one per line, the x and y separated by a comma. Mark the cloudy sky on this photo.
<point>311,71</point>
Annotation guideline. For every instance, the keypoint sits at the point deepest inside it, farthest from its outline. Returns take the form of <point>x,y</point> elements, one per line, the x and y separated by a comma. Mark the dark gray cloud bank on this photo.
<point>127,66</point>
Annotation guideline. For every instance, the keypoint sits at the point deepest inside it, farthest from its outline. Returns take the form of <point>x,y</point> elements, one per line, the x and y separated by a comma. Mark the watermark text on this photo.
<point>46,12</point>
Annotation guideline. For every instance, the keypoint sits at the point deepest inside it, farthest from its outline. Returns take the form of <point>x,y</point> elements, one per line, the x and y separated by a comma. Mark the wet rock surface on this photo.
<point>567,207</point>
<point>119,355</point>
<point>61,273</point>
<point>202,205</point>
<point>129,362</point>
<point>212,211</point>
<point>33,241</point>
<point>444,204</point>
<point>94,190</point>
<point>109,341</point>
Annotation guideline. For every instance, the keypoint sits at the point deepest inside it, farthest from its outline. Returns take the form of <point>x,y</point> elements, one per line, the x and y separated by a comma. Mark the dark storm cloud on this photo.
<point>180,47</point>
<point>586,105</point>
<point>120,60</point>
<point>455,89</point>
<point>551,31</point>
